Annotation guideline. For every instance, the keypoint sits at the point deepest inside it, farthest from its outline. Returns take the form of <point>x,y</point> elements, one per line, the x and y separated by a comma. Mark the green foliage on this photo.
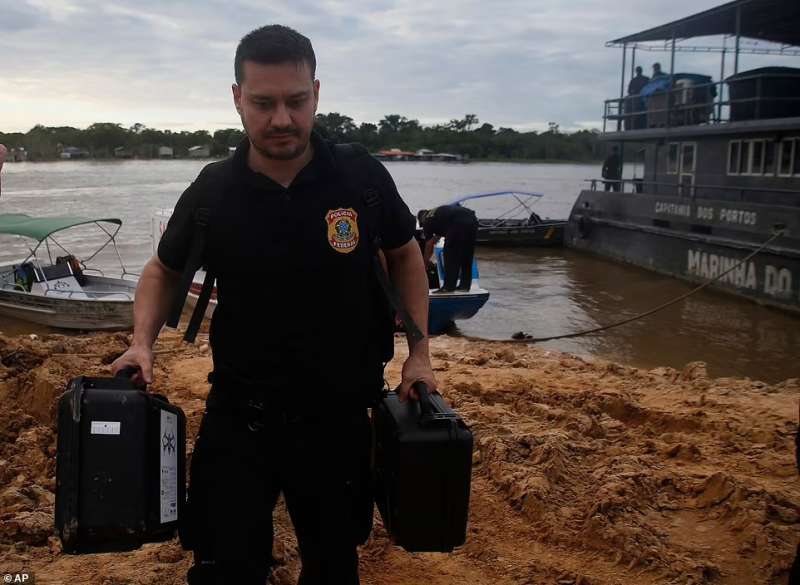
<point>465,136</point>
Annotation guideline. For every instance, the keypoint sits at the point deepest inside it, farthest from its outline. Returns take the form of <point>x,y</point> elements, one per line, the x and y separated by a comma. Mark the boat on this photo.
<point>64,292</point>
<point>447,307</point>
<point>719,199</point>
<point>444,307</point>
<point>519,225</point>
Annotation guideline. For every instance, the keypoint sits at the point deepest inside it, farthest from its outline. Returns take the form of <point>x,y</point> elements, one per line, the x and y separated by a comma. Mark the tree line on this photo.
<point>465,136</point>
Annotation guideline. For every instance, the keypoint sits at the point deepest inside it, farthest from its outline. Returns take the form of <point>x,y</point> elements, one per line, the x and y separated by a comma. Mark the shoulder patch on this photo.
<point>342,229</point>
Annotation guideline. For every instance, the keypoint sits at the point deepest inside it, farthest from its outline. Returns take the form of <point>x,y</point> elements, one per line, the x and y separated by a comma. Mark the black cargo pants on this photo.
<point>459,250</point>
<point>246,453</point>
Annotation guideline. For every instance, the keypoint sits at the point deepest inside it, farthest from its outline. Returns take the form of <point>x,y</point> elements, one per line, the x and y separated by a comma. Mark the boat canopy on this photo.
<point>776,21</point>
<point>39,228</point>
<point>495,194</point>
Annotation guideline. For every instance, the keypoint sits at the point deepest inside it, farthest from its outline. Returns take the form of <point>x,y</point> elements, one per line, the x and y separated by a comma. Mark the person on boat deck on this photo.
<point>637,82</point>
<point>657,71</point>
<point>3,152</point>
<point>634,102</point>
<point>300,333</point>
<point>611,170</point>
<point>459,226</point>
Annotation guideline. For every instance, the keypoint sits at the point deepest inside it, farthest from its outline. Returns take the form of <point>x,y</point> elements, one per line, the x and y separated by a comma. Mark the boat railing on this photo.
<point>684,104</point>
<point>692,191</point>
<point>71,294</point>
<point>13,286</point>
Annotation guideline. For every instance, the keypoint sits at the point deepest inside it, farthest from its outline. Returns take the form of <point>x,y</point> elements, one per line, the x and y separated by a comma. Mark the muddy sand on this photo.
<point>585,472</point>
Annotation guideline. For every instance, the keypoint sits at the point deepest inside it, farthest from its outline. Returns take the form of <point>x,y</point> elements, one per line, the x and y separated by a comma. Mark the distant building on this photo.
<point>73,152</point>
<point>17,155</point>
<point>165,152</point>
<point>200,151</point>
<point>122,152</point>
<point>395,154</point>
<point>423,154</point>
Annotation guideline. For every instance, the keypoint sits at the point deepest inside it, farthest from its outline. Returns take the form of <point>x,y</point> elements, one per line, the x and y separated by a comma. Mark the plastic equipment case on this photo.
<point>120,467</point>
<point>423,465</point>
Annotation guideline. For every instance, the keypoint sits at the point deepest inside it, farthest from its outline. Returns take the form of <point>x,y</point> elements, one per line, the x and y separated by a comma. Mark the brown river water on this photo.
<point>542,292</point>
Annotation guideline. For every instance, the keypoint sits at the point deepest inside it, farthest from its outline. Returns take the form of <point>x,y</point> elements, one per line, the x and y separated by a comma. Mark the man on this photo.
<point>612,170</point>
<point>459,226</point>
<point>638,82</point>
<point>657,71</point>
<point>296,333</point>
<point>634,102</point>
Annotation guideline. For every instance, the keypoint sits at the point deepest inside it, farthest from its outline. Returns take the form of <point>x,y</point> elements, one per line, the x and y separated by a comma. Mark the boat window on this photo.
<point>756,166</point>
<point>734,147</point>
<point>796,166</point>
<point>672,159</point>
<point>687,158</point>
<point>745,157</point>
<point>786,156</point>
<point>769,157</point>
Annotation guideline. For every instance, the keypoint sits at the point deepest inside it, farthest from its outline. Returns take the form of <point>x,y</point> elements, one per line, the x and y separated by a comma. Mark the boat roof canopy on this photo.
<point>39,228</point>
<point>494,194</point>
<point>776,21</point>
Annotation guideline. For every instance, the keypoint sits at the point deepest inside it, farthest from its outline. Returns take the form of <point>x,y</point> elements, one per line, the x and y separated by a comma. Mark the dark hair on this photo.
<point>272,45</point>
<point>421,215</point>
<point>638,70</point>
<point>656,65</point>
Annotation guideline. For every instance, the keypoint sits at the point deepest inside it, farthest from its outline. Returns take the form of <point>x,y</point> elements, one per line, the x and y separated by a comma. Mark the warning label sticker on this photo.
<point>169,467</point>
<point>105,427</point>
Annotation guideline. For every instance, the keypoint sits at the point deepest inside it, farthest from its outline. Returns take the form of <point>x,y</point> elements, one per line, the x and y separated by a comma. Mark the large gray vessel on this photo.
<point>721,159</point>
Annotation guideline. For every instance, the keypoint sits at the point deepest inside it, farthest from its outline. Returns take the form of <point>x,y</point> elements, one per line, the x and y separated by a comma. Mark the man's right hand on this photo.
<point>140,357</point>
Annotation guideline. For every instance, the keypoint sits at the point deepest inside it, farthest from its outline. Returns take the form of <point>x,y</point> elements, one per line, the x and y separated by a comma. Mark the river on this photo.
<point>539,291</point>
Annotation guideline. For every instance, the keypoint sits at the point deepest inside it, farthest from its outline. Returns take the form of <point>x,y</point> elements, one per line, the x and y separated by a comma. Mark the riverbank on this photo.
<point>586,472</point>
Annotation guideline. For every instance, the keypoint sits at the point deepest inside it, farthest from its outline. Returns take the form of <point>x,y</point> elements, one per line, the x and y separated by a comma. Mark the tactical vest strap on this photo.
<point>357,167</point>
<point>214,180</point>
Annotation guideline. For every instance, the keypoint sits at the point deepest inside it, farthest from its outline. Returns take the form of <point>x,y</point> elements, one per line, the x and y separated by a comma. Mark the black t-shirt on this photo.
<point>297,295</point>
<point>442,218</point>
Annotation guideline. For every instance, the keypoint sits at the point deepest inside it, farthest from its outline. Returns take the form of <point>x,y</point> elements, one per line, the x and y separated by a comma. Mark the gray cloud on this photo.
<point>518,63</point>
<point>16,17</point>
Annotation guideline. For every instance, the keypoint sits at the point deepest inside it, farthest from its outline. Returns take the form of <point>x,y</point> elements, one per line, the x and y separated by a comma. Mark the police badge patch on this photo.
<point>342,230</point>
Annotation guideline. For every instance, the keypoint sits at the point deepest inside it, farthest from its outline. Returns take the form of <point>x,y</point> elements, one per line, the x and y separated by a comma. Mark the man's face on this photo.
<point>277,104</point>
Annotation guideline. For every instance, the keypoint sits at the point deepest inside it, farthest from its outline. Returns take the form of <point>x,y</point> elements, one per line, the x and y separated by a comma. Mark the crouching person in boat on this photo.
<point>298,354</point>
<point>459,227</point>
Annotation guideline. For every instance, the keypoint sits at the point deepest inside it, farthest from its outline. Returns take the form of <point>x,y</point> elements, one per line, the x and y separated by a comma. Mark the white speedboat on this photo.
<point>63,291</point>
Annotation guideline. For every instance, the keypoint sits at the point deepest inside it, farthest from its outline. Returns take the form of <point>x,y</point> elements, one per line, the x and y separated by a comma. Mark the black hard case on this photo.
<point>423,464</point>
<point>109,491</point>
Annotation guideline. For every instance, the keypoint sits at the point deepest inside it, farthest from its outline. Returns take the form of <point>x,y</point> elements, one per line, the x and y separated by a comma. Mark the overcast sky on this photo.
<point>169,63</point>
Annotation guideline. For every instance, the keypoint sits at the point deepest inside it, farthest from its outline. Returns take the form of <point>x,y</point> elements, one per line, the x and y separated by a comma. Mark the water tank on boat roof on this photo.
<point>774,93</point>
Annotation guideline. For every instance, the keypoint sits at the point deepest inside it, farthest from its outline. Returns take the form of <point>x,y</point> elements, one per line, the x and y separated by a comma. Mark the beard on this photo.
<point>262,142</point>
<point>280,153</point>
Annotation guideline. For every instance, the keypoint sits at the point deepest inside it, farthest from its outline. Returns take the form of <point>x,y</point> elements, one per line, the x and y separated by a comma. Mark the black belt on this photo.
<point>262,404</point>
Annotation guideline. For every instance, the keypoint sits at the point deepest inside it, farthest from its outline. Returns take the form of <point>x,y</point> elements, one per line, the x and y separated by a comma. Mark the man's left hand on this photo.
<point>417,368</point>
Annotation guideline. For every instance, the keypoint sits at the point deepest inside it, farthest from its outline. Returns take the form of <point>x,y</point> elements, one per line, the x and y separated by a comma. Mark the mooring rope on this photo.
<point>636,317</point>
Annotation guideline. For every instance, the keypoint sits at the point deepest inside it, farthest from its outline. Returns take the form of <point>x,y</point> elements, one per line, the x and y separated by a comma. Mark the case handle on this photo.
<point>129,372</point>
<point>126,372</point>
<point>425,402</point>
